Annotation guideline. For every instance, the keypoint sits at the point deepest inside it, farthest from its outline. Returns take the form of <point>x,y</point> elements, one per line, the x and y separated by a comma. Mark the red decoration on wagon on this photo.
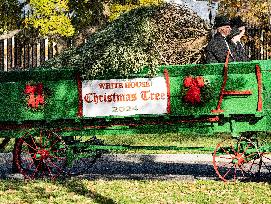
<point>194,92</point>
<point>35,93</point>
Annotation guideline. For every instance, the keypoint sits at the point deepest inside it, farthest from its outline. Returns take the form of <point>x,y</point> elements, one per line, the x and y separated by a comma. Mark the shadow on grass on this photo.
<point>79,188</point>
<point>37,190</point>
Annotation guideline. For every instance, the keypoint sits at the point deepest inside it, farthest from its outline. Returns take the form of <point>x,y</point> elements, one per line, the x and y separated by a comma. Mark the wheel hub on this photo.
<point>238,159</point>
<point>41,154</point>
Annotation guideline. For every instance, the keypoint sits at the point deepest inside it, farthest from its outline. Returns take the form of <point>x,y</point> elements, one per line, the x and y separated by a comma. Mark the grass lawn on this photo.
<point>133,191</point>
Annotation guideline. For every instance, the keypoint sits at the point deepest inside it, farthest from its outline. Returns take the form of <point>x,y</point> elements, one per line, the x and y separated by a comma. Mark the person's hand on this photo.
<point>236,38</point>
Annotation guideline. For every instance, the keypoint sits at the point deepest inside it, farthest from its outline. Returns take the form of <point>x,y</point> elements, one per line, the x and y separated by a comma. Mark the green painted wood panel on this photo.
<point>62,102</point>
<point>61,96</point>
<point>241,77</point>
<point>10,101</point>
<point>59,91</point>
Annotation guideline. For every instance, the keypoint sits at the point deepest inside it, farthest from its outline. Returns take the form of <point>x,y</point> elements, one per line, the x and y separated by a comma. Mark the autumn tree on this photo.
<point>255,12</point>
<point>31,19</point>
<point>10,15</point>
<point>87,16</point>
<point>86,13</point>
<point>50,17</point>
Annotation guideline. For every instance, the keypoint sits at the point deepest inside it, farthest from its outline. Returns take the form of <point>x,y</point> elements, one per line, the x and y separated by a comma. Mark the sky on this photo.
<point>200,7</point>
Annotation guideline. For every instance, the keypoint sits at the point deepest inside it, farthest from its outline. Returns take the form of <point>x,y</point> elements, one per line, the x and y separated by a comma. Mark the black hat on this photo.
<point>235,31</point>
<point>221,21</point>
<point>237,22</point>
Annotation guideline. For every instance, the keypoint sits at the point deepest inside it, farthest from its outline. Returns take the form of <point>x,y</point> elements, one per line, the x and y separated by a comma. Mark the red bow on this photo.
<point>35,93</point>
<point>193,94</point>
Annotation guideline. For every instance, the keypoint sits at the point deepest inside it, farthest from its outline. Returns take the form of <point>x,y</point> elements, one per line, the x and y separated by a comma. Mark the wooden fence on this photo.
<point>257,45</point>
<point>17,54</point>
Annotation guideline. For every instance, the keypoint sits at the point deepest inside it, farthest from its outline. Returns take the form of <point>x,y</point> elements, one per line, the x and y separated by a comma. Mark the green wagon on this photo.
<point>47,109</point>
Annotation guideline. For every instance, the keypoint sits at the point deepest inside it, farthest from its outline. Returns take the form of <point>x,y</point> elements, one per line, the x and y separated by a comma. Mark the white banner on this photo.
<point>124,97</point>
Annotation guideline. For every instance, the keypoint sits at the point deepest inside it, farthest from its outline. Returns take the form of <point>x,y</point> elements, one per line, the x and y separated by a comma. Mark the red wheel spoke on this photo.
<point>226,173</point>
<point>53,144</point>
<point>28,135</point>
<point>224,164</point>
<point>233,150</point>
<point>57,167</point>
<point>48,139</point>
<point>51,159</point>
<point>245,149</point>
<point>27,152</point>
<point>36,170</point>
<point>43,174</point>
<point>30,163</point>
<point>221,157</point>
<point>33,141</point>
<point>54,165</point>
<point>60,149</point>
<point>255,153</point>
<point>48,168</point>
<point>56,157</point>
<point>56,175</point>
<point>226,151</point>
<point>40,138</point>
<point>25,143</point>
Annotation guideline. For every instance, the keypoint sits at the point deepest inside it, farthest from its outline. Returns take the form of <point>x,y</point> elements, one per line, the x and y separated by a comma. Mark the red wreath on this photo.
<point>35,93</point>
<point>194,85</point>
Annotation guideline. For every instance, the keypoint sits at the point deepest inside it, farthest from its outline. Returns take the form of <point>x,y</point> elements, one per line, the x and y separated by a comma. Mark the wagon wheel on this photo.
<point>40,155</point>
<point>263,162</point>
<point>236,159</point>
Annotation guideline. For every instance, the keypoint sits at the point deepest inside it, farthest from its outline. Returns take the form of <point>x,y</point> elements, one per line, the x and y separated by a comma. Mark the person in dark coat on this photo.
<point>240,52</point>
<point>233,38</point>
<point>217,48</point>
